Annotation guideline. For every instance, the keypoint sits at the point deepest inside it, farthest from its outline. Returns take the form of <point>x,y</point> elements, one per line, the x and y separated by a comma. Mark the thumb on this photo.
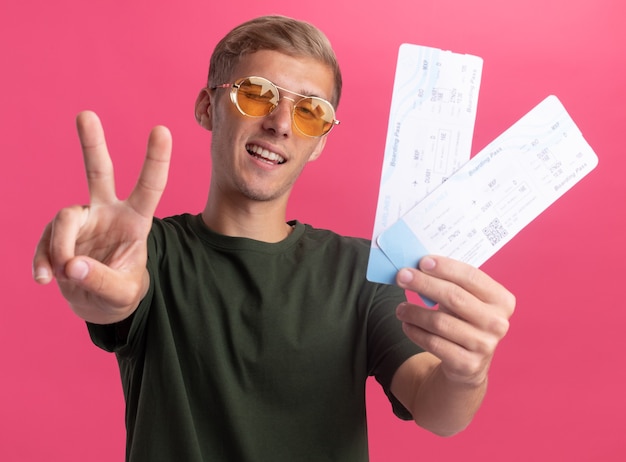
<point>114,288</point>
<point>77,269</point>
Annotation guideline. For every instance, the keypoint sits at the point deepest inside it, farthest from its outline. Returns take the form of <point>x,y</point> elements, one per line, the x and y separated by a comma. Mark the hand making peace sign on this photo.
<point>98,252</point>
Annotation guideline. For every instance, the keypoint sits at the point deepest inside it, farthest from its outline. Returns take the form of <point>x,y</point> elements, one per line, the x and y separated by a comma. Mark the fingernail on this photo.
<point>79,270</point>
<point>41,274</point>
<point>427,263</point>
<point>405,276</point>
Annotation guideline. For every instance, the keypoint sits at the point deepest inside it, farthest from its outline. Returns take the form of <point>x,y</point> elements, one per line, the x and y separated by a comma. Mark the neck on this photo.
<point>261,221</point>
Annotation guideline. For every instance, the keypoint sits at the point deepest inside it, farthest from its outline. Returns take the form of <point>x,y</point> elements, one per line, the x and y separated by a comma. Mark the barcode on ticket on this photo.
<point>494,231</point>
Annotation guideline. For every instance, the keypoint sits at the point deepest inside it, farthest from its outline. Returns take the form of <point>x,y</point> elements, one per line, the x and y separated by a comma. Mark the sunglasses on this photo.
<point>258,97</point>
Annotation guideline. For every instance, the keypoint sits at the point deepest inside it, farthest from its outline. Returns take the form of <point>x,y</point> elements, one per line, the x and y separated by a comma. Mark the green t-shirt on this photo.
<point>249,351</point>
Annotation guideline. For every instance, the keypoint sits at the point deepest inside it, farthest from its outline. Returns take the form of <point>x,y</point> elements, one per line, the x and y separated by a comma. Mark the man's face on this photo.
<point>260,158</point>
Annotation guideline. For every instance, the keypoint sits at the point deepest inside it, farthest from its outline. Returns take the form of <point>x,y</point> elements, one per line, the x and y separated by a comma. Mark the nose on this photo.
<point>280,119</point>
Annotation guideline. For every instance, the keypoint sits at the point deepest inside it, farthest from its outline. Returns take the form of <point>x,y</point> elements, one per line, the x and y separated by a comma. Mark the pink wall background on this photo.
<point>557,383</point>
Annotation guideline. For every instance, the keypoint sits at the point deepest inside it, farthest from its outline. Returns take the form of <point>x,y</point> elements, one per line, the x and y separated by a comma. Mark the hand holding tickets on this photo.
<point>494,196</point>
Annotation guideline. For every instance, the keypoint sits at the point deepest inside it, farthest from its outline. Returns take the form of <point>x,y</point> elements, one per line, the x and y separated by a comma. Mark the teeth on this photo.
<point>265,154</point>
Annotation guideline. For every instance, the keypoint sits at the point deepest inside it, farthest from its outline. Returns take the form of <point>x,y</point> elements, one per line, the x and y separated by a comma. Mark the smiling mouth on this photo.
<point>264,155</point>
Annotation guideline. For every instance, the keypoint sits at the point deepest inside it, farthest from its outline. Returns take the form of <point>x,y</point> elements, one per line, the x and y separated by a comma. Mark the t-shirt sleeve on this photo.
<point>388,346</point>
<point>120,337</point>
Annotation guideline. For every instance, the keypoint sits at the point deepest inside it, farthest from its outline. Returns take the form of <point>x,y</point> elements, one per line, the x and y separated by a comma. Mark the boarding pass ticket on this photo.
<point>429,136</point>
<point>497,193</point>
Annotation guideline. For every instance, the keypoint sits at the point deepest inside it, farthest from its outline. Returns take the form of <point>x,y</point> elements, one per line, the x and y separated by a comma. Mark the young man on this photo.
<point>243,337</point>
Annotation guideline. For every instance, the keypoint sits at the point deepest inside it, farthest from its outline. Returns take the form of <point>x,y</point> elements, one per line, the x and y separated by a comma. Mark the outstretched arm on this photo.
<point>444,387</point>
<point>97,253</point>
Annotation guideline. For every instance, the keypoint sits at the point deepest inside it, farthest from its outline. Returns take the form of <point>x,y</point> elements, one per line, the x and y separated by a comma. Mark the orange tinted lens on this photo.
<point>256,97</point>
<point>313,116</point>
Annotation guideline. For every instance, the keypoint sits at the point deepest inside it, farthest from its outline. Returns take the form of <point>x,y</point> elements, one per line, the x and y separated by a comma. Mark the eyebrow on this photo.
<point>304,93</point>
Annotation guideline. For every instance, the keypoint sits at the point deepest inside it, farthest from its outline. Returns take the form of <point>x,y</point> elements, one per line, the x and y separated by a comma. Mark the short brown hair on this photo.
<point>279,33</point>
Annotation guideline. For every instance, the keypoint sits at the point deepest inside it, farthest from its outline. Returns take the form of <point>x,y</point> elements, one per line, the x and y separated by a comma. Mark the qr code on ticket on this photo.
<point>494,231</point>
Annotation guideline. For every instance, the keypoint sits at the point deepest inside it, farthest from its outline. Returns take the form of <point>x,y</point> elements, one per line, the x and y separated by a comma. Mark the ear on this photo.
<point>321,142</point>
<point>203,109</point>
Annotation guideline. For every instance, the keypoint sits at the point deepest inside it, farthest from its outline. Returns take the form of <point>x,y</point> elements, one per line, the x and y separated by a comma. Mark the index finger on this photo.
<point>98,164</point>
<point>445,276</point>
